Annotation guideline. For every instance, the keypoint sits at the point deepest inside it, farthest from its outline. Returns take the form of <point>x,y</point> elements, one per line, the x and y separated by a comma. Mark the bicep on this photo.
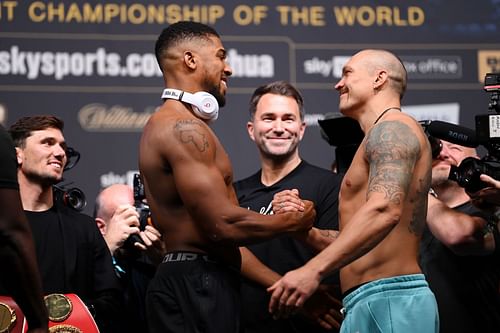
<point>392,150</point>
<point>193,161</point>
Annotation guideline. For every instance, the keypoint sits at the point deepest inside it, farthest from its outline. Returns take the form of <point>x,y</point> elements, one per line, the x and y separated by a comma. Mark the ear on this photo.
<point>250,130</point>
<point>101,225</point>
<point>190,60</point>
<point>19,156</point>
<point>302,130</point>
<point>380,79</point>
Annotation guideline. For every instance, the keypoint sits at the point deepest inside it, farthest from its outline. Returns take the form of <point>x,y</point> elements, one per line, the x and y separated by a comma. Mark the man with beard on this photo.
<point>71,252</point>
<point>460,256</point>
<point>277,126</point>
<point>188,184</point>
<point>382,208</point>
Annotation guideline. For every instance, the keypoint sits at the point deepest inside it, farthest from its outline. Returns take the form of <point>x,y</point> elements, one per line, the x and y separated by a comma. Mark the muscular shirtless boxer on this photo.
<point>188,181</point>
<point>382,209</point>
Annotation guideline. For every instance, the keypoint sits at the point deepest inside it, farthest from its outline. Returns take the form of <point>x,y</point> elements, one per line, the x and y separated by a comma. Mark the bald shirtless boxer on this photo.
<point>382,209</point>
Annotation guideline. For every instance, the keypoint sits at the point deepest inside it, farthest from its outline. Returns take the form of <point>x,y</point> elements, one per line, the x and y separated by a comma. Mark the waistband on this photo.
<point>185,256</point>
<point>400,282</point>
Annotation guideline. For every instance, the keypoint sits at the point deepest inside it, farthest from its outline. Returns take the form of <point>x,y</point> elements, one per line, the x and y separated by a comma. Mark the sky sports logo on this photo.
<point>418,67</point>
<point>100,62</point>
<point>59,65</point>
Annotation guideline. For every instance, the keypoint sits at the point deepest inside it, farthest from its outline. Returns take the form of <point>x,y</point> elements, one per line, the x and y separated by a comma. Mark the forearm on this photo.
<point>247,227</point>
<point>317,239</point>
<point>461,233</point>
<point>365,230</point>
<point>253,269</point>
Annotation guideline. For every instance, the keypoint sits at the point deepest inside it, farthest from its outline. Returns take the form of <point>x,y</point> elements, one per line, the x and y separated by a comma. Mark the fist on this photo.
<point>308,215</point>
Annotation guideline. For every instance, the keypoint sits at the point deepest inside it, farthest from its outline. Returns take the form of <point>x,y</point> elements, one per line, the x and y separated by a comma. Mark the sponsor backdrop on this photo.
<point>92,64</point>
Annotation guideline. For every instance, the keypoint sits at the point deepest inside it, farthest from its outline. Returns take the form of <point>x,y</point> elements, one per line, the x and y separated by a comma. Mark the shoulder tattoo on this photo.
<point>391,150</point>
<point>191,132</point>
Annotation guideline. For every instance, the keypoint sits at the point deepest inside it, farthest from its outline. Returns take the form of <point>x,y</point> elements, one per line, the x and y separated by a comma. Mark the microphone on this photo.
<point>453,133</point>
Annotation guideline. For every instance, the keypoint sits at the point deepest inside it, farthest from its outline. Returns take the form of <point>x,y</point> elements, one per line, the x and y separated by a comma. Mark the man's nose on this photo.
<point>59,151</point>
<point>228,71</point>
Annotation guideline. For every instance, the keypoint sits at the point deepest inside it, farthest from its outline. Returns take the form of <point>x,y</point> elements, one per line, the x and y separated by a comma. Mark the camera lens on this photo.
<point>75,199</point>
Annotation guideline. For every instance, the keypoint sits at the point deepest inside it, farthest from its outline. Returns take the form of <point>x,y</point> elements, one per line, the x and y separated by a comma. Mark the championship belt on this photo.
<point>67,314</point>
<point>11,318</point>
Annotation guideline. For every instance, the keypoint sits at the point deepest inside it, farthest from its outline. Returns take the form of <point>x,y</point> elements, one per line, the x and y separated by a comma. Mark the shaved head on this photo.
<point>384,60</point>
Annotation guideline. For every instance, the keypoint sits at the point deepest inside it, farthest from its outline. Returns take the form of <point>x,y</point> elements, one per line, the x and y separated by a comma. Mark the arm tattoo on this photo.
<point>191,132</point>
<point>419,214</point>
<point>391,150</point>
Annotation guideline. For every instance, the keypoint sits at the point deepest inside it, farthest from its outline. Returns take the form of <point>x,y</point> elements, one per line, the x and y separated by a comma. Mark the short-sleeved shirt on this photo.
<point>284,253</point>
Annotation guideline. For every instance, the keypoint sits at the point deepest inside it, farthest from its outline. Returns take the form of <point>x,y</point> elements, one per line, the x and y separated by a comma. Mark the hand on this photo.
<point>292,290</point>
<point>152,243</point>
<point>487,198</point>
<point>287,201</point>
<point>307,218</point>
<point>491,181</point>
<point>123,223</point>
<point>324,309</point>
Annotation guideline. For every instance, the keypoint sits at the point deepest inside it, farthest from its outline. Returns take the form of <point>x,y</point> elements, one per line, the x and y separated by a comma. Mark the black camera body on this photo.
<point>488,125</point>
<point>468,172</point>
<point>141,207</point>
<point>487,134</point>
<point>345,135</point>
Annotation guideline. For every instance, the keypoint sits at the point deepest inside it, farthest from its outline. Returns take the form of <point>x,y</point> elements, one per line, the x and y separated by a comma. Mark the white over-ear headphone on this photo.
<point>203,104</point>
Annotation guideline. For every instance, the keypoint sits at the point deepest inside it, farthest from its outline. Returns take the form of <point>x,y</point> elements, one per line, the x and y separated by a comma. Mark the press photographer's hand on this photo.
<point>125,222</point>
<point>487,198</point>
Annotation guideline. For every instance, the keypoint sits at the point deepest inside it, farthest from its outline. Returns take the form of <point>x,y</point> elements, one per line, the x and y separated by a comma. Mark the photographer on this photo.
<point>136,252</point>
<point>459,252</point>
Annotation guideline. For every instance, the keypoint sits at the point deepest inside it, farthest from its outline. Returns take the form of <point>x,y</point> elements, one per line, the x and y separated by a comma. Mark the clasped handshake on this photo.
<point>321,307</point>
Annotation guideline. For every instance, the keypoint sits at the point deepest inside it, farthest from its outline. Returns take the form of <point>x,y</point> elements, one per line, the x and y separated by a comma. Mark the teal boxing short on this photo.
<point>399,304</point>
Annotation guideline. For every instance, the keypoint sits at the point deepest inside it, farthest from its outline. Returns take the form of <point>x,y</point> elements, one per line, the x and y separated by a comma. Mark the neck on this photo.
<point>374,112</point>
<point>274,170</point>
<point>34,197</point>
<point>385,111</point>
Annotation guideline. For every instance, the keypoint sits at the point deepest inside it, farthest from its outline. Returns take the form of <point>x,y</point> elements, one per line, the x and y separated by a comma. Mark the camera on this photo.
<point>487,134</point>
<point>141,207</point>
<point>345,135</point>
<point>488,125</point>
<point>468,172</point>
<point>71,197</point>
<point>436,144</point>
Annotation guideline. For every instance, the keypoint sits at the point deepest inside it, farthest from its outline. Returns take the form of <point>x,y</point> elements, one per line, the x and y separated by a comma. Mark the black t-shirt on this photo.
<point>8,161</point>
<point>466,287</point>
<point>74,258</point>
<point>284,253</point>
